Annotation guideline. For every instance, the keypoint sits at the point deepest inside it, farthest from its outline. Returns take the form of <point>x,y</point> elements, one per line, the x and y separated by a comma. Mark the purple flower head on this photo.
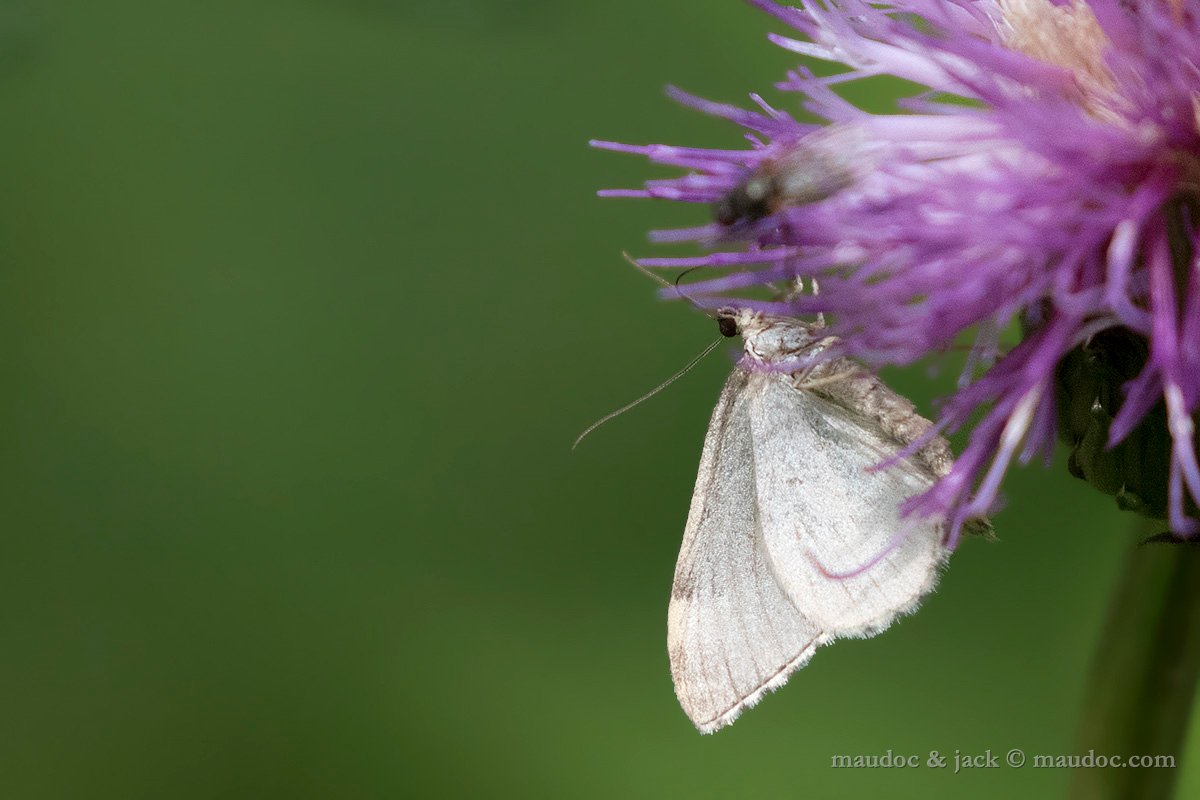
<point>1049,176</point>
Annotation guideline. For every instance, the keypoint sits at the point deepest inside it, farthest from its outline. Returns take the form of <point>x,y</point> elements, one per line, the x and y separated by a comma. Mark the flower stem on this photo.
<point>1143,678</point>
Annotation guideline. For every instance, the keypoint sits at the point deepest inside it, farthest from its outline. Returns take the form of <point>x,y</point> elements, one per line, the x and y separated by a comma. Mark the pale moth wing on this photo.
<point>792,540</point>
<point>822,512</point>
<point>732,633</point>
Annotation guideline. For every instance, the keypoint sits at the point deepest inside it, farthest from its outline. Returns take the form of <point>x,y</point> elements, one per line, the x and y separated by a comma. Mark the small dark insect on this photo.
<point>751,200</point>
<point>805,174</point>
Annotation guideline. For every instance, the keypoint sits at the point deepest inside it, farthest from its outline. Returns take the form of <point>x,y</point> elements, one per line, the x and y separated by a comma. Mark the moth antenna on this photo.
<point>708,312</point>
<point>656,278</point>
<point>679,277</point>
<point>648,394</point>
<point>667,284</point>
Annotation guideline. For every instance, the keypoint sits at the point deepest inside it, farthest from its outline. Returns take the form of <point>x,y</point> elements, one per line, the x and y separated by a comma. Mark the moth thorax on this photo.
<point>772,339</point>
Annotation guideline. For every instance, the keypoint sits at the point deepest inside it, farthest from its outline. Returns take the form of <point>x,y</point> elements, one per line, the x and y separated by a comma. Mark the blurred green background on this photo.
<point>302,305</point>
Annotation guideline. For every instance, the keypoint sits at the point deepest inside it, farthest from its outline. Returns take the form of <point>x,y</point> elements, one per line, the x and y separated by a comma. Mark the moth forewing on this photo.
<point>732,632</point>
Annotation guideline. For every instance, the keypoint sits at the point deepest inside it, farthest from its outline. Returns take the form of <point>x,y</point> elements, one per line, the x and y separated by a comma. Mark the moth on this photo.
<point>792,541</point>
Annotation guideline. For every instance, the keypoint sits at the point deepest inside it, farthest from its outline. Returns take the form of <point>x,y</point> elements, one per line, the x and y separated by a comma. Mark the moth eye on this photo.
<point>728,326</point>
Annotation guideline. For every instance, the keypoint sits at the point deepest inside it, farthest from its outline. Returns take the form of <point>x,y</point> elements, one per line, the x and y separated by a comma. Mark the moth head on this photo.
<point>768,338</point>
<point>737,321</point>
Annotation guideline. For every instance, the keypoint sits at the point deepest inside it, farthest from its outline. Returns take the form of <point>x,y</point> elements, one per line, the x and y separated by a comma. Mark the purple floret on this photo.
<point>1039,179</point>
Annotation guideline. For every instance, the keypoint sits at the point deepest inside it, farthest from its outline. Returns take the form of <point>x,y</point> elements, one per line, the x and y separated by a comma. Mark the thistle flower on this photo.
<point>1049,176</point>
